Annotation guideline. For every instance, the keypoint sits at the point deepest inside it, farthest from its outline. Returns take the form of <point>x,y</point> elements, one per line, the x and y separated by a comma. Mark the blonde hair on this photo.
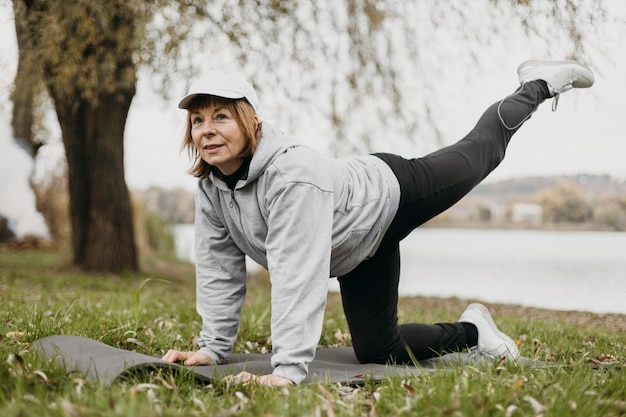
<point>243,114</point>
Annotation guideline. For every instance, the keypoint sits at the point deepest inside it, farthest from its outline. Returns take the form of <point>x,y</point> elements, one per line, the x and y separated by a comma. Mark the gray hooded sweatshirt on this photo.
<point>303,216</point>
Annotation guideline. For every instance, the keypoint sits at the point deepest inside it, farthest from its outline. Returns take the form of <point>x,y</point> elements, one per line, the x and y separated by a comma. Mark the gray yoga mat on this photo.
<point>98,361</point>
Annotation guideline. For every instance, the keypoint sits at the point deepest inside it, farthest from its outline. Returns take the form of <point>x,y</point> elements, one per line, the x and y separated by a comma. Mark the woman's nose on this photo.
<point>208,129</point>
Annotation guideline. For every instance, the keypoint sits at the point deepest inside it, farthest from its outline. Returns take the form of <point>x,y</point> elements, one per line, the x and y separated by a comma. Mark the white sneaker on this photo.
<point>490,340</point>
<point>560,76</point>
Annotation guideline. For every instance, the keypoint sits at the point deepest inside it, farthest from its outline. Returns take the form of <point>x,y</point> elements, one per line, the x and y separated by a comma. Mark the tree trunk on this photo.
<point>85,52</point>
<point>24,87</point>
<point>103,237</point>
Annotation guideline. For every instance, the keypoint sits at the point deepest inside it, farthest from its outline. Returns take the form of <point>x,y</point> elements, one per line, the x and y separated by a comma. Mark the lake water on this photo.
<point>561,270</point>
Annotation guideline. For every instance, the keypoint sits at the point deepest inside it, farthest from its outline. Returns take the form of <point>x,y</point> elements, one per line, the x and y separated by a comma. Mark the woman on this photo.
<point>307,217</point>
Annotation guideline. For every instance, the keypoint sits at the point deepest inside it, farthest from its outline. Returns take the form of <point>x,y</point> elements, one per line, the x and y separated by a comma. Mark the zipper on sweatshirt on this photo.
<point>236,213</point>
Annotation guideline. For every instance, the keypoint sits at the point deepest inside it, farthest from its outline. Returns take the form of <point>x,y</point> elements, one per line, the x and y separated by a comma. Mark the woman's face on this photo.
<point>217,137</point>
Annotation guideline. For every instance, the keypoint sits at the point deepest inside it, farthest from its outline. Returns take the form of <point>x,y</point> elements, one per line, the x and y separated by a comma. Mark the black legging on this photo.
<point>428,186</point>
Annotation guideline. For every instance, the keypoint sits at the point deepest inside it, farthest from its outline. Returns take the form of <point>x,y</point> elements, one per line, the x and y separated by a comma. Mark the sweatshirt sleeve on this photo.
<point>220,282</point>
<point>300,216</point>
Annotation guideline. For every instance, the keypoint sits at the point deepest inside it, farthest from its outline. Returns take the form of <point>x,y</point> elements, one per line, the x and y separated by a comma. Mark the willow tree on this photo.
<point>344,59</point>
<point>84,51</point>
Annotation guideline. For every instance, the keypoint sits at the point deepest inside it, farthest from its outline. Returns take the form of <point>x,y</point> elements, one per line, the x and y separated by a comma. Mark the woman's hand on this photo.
<point>272,380</point>
<point>188,358</point>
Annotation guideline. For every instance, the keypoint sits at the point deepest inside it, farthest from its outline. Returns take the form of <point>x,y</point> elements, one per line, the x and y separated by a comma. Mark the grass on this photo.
<point>154,310</point>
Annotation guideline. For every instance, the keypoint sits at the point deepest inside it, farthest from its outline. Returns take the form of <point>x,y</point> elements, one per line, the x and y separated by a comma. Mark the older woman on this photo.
<point>307,217</point>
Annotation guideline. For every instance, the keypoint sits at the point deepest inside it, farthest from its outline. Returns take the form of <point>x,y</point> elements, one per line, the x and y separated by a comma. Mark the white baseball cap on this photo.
<point>221,84</point>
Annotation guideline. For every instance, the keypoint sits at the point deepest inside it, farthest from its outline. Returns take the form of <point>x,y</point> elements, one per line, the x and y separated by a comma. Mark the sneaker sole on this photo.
<point>587,79</point>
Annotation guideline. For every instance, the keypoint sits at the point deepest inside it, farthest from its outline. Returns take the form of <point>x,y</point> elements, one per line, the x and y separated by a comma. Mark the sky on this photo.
<point>583,136</point>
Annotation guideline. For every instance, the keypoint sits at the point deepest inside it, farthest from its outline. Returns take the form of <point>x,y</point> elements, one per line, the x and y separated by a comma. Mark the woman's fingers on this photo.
<point>198,358</point>
<point>243,378</point>
<point>246,378</point>
<point>274,380</point>
<point>189,358</point>
<point>174,356</point>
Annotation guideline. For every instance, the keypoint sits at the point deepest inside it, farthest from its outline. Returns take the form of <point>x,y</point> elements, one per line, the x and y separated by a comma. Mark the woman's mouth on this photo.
<point>211,148</point>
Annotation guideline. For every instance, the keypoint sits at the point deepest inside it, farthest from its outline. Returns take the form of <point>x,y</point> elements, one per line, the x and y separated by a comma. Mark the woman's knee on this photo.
<point>372,353</point>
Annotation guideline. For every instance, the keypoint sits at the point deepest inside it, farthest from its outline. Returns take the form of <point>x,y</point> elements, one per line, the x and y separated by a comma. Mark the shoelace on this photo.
<point>479,354</point>
<point>568,85</point>
<point>555,102</point>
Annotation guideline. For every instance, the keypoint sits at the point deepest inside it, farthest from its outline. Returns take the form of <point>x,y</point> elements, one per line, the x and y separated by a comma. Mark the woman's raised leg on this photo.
<point>430,185</point>
<point>433,183</point>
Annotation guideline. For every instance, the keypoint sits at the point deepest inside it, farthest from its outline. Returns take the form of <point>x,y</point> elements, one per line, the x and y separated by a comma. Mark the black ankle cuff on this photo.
<point>471,334</point>
<point>545,88</point>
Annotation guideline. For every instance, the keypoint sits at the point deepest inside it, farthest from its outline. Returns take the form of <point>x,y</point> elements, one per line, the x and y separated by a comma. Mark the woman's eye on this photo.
<point>220,116</point>
<point>196,120</point>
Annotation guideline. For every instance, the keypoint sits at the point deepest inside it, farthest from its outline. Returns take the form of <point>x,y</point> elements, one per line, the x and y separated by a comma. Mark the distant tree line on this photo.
<point>568,204</point>
<point>564,203</point>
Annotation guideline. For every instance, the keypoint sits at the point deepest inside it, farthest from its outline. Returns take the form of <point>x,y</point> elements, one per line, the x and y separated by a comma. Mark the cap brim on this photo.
<point>184,103</point>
